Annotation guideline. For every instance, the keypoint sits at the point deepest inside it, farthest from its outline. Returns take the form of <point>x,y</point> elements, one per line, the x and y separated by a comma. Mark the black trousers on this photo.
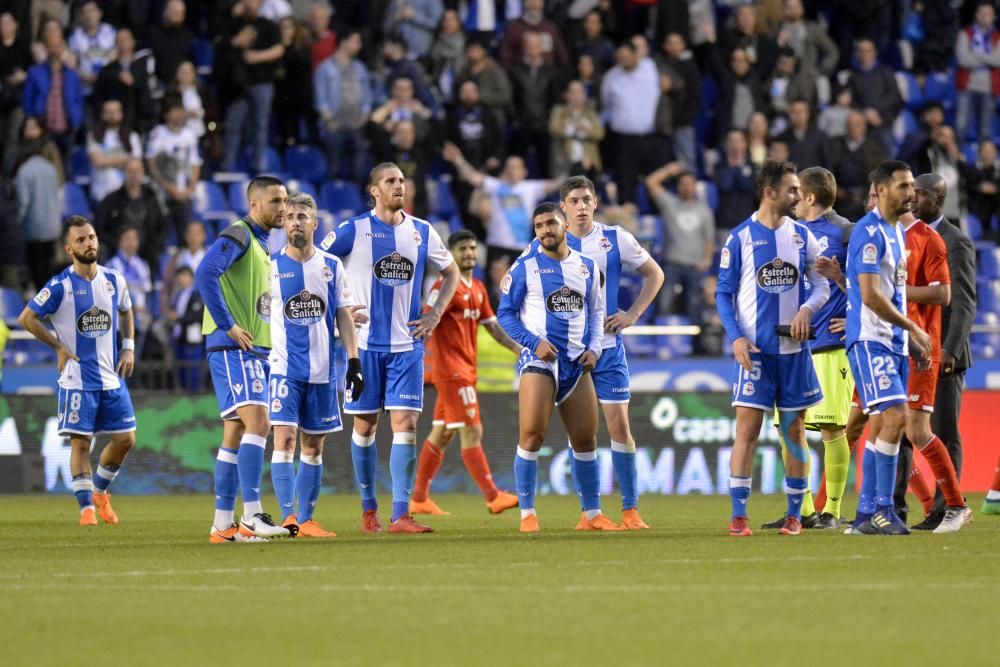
<point>635,155</point>
<point>944,424</point>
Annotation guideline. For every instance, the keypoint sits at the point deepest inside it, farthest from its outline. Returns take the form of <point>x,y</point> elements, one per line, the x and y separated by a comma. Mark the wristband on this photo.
<point>128,343</point>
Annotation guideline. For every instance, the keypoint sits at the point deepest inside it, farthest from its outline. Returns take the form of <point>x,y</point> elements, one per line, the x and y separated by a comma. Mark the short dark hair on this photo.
<point>183,268</point>
<point>71,222</point>
<point>576,183</point>
<point>821,183</point>
<point>883,173</point>
<point>171,101</point>
<point>548,207</point>
<point>771,173</point>
<point>460,236</point>
<point>262,183</point>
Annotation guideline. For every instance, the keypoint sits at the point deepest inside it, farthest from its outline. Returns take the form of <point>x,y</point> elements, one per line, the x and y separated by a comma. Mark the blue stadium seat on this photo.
<point>75,201</point>
<point>642,200</point>
<point>679,346</point>
<point>986,296</point>
<point>988,264</point>
<point>238,197</point>
<point>79,166</point>
<point>341,196</point>
<point>209,201</point>
<point>11,304</point>
<point>940,87</point>
<point>913,96</point>
<point>306,163</point>
<point>711,194</point>
<point>305,187</point>
<point>445,205</point>
<point>204,56</point>
<point>973,227</point>
<point>273,164</point>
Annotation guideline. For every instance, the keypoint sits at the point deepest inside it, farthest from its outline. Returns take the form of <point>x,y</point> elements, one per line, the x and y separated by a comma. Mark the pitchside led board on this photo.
<point>683,440</point>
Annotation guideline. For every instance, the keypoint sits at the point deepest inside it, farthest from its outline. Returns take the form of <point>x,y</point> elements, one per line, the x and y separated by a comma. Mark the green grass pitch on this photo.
<point>152,591</point>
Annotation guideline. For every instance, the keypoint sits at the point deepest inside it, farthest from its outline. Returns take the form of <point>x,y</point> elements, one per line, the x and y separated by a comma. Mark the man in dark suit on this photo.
<point>956,324</point>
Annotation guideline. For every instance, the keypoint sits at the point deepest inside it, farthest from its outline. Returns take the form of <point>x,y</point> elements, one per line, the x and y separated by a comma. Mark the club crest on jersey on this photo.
<point>777,276</point>
<point>724,259</point>
<point>748,389</point>
<point>109,286</point>
<point>900,273</point>
<point>42,296</point>
<point>275,405</point>
<point>304,308</point>
<point>606,244</point>
<point>564,303</point>
<point>584,271</point>
<point>416,237</point>
<point>797,241</point>
<point>263,306</point>
<point>327,273</point>
<point>93,323</point>
<point>823,243</point>
<point>73,417</point>
<point>884,382</point>
<point>328,240</point>
<point>393,270</point>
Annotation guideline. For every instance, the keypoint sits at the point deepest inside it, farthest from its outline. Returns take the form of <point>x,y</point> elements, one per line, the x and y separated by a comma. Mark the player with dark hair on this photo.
<point>452,349</point>
<point>88,305</point>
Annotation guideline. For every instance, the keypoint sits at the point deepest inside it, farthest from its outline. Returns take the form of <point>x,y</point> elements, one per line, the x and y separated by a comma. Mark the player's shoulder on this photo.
<point>111,273</point>
<point>418,222</point>
<point>238,232</point>
<point>330,260</point>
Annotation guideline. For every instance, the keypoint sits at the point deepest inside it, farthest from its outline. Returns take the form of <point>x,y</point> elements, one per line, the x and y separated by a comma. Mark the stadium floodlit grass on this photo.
<point>151,590</point>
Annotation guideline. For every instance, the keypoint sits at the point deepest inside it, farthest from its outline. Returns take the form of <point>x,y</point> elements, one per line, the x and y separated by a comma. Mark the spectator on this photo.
<point>535,84</point>
<point>39,206</point>
<point>409,152</point>
<point>982,188</point>
<point>49,34</point>
<point>685,95</point>
<point>761,49</point>
<point>343,100</point>
<point>533,20</point>
<point>777,151</point>
<point>978,75</point>
<point>139,280</point>
<point>254,48</point>
<point>852,157</point>
<point>53,93</point>
<point>806,143</point>
<point>324,40</point>
<point>395,66</point>
<point>833,119</point>
<point>787,82</point>
<point>171,42</point>
<point>914,148</point>
<point>185,315</point>
<point>875,92</point>
<point>740,94</point>
<point>126,79</point>
<point>15,61</point>
<point>940,24</point>
<point>293,86</point>
<point>402,105</point>
<point>594,43</point>
<point>186,86</point>
<point>134,204</point>
<point>945,159</point>
<point>576,132</point>
<point>630,94</point>
<point>110,147</point>
<point>852,20</point>
<point>92,42</point>
<point>415,21</point>
<point>275,10</point>
<point>494,86</point>
<point>735,181</point>
<point>190,253</point>
<point>448,54</point>
<point>817,53</point>
<point>32,138</point>
<point>174,162</point>
<point>758,138</point>
<point>590,77</point>
<point>689,241</point>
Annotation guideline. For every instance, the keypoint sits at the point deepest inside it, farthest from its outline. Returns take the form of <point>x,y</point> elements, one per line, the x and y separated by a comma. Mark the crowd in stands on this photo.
<point>149,116</point>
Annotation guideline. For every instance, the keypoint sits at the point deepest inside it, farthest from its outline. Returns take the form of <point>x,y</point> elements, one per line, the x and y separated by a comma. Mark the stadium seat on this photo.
<point>986,296</point>
<point>973,227</point>
<point>910,90</point>
<point>708,192</point>
<point>642,200</point>
<point>445,205</point>
<point>75,201</point>
<point>204,56</point>
<point>11,304</point>
<point>79,166</point>
<point>988,264</point>
<point>273,164</point>
<point>939,87</point>
<point>209,202</point>
<point>238,197</point>
<point>306,163</point>
<point>302,186</point>
<point>341,196</point>
<point>678,345</point>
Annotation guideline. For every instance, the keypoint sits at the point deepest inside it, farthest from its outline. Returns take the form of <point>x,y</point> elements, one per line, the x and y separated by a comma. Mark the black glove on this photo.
<point>354,381</point>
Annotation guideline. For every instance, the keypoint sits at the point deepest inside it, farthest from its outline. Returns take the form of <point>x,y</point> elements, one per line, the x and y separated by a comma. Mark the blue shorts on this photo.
<point>611,376</point>
<point>393,381</point>
<point>311,408</point>
<point>783,381</point>
<point>239,378</point>
<point>565,373</point>
<point>880,375</point>
<point>83,412</point>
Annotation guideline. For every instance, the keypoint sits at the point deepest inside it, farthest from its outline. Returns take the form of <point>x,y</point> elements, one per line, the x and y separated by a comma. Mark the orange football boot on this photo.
<point>102,501</point>
<point>370,522</point>
<point>601,522</point>
<point>740,527</point>
<point>792,526</point>
<point>428,507</point>
<point>503,501</point>
<point>232,534</point>
<point>529,524</point>
<point>290,520</point>
<point>88,517</point>
<point>406,524</point>
<point>311,528</point>
<point>631,520</point>
<point>582,523</point>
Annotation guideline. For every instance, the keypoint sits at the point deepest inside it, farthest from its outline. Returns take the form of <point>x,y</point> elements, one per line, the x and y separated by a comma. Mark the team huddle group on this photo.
<point>814,309</point>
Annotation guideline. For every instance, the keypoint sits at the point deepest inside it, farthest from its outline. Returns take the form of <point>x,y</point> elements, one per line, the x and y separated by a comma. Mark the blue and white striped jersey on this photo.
<point>612,249</point>
<point>832,233</point>
<point>85,316</point>
<point>307,294</point>
<point>878,248</point>
<point>560,301</point>
<point>385,268</point>
<point>762,274</point>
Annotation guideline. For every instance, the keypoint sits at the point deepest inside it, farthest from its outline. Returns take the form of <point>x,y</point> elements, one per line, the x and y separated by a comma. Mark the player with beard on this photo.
<point>387,253</point>
<point>234,279</point>
<point>88,305</point>
<point>553,305</point>
<point>761,297</point>
<point>310,301</point>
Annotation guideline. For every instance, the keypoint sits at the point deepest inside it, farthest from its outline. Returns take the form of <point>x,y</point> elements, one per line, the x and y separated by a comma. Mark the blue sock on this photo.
<point>307,484</point>
<point>795,488</point>
<point>739,494</point>
<point>574,475</point>
<point>626,473</point>
<point>364,456</point>
<point>83,489</point>
<point>402,467</point>
<point>282,478</point>
<point>227,481</point>
<point>105,475</point>
<point>525,477</point>
<point>250,466</point>
<point>886,456</point>
<point>866,501</point>
<point>589,478</point>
